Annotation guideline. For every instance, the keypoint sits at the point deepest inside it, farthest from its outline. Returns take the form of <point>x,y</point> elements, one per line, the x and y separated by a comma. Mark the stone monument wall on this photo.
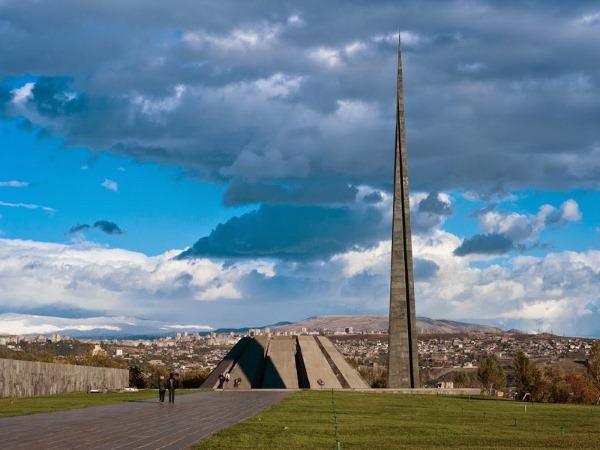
<point>28,378</point>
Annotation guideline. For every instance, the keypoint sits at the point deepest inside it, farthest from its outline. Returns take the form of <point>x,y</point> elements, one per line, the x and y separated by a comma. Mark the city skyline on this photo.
<point>232,165</point>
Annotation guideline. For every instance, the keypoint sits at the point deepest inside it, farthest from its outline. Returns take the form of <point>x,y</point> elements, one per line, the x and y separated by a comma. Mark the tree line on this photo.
<point>542,383</point>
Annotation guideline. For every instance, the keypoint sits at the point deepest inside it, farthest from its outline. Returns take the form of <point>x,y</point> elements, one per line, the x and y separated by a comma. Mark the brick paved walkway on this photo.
<point>145,424</point>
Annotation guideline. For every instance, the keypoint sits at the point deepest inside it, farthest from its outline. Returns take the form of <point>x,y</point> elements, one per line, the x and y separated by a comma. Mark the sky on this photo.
<point>226,164</point>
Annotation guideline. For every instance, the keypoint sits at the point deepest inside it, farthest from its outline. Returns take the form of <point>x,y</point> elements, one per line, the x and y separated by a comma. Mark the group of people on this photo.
<point>224,381</point>
<point>170,384</point>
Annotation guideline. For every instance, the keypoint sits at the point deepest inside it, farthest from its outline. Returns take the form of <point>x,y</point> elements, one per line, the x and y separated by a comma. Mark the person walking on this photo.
<point>171,386</point>
<point>162,387</point>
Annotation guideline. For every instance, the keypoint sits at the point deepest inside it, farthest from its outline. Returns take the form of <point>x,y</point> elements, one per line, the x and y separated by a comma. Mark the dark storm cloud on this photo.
<point>430,213</point>
<point>488,244</point>
<point>483,211</point>
<point>108,227</point>
<point>53,97</point>
<point>105,226</point>
<point>291,192</point>
<point>80,228</point>
<point>292,232</point>
<point>433,205</point>
<point>5,96</point>
<point>290,92</point>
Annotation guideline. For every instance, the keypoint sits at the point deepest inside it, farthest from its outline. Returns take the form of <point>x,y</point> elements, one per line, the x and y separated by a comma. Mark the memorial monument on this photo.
<point>403,364</point>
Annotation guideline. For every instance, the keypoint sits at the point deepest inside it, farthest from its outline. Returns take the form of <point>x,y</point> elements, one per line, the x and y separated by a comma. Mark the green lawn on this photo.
<point>46,403</point>
<point>391,421</point>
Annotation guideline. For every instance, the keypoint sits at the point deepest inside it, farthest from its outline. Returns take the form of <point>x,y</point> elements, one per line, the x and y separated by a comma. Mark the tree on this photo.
<point>554,387</point>
<point>593,365</point>
<point>193,379</point>
<point>462,379</point>
<point>525,373</point>
<point>491,375</point>
<point>96,359</point>
<point>136,377</point>
<point>580,389</point>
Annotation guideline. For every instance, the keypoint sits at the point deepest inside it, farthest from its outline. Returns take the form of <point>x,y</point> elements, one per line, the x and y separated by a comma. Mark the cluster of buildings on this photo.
<point>189,351</point>
<point>467,350</point>
<point>14,340</point>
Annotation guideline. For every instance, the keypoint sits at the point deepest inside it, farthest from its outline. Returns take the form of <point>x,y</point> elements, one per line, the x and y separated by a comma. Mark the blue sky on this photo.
<point>231,164</point>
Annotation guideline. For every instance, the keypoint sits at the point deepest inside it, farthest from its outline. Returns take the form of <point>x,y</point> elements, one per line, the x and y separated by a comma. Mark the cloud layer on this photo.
<point>286,102</point>
<point>552,292</point>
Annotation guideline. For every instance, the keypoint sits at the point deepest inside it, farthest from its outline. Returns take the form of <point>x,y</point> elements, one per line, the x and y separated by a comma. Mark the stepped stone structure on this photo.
<point>403,365</point>
<point>285,362</point>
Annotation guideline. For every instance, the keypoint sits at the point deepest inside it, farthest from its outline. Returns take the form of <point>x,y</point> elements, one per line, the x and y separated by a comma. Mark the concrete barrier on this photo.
<point>29,378</point>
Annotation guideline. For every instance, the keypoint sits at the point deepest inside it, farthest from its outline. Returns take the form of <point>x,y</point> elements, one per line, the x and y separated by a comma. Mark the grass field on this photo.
<point>33,405</point>
<point>392,421</point>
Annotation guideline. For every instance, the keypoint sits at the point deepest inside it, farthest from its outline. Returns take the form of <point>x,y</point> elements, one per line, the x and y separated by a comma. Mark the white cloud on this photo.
<point>296,20</point>
<point>374,260</point>
<point>19,324</point>
<point>14,183</point>
<point>239,39</point>
<point>110,185</point>
<point>326,55</point>
<point>86,276</point>
<point>27,206</point>
<point>569,212</point>
<point>277,85</point>
<point>537,291</point>
<point>523,227</point>
<point>22,94</point>
<point>154,107</point>
<point>188,327</point>
<point>355,48</point>
<point>590,19</point>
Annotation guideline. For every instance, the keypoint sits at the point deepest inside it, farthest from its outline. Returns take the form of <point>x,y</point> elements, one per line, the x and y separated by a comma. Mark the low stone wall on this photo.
<point>27,378</point>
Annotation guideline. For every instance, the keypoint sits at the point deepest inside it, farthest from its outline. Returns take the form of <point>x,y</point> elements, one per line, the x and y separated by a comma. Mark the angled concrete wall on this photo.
<point>352,378</point>
<point>28,378</point>
<point>245,361</point>
<point>280,368</point>
<point>212,381</point>
<point>318,370</point>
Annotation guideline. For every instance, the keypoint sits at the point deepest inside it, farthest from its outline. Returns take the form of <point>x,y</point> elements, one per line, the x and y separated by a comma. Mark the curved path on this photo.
<point>144,424</point>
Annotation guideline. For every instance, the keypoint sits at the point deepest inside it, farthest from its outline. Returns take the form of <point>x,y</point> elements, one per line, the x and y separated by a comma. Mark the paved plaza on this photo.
<point>144,424</point>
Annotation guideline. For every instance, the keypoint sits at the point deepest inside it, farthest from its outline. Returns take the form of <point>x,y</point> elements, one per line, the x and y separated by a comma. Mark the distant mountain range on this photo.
<point>133,328</point>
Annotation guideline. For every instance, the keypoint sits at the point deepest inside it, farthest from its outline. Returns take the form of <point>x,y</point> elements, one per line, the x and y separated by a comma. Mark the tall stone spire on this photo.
<point>403,365</point>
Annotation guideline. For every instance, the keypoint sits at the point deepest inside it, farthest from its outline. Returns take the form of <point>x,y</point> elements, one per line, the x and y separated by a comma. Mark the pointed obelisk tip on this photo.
<point>399,50</point>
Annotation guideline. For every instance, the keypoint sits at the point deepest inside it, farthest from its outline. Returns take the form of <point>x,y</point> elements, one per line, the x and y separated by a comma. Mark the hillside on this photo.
<point>379,323</point>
